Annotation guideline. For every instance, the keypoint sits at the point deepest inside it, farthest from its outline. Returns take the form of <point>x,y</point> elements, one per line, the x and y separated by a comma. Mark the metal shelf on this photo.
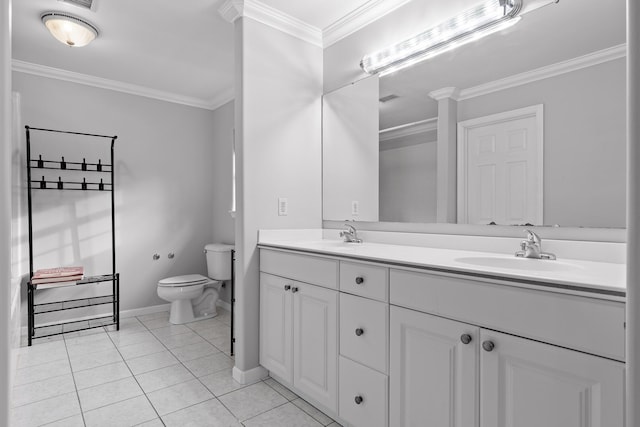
<point>62,327</point>
<point>52,307</point>
<point>49,330</point>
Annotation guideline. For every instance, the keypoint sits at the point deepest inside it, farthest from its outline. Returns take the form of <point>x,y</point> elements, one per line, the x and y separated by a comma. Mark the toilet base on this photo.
<point>182,312</point>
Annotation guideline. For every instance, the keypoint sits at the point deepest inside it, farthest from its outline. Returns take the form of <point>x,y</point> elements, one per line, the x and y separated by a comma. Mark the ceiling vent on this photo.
<point>85,4</point>
<point>388,98</point>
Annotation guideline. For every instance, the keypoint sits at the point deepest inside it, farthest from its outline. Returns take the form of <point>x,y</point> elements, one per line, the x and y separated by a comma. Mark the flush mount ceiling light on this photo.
<point>69,29</point>
<point>472,24</point>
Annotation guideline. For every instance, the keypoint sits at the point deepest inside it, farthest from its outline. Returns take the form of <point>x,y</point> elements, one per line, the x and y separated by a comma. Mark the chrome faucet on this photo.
<point>350,234</point>
<point>532,247</point>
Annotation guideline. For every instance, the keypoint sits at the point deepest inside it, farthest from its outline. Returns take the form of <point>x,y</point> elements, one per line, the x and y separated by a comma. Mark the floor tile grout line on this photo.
<point>264,412</point>
<point>43,379</point>
<point>139,385</point>
<point>279,392</point>
<point>196,377</point>
<point>75,386</point>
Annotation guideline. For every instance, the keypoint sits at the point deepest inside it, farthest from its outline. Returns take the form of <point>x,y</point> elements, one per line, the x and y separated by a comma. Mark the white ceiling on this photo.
<point>167,47</point>
<point>171,51</point>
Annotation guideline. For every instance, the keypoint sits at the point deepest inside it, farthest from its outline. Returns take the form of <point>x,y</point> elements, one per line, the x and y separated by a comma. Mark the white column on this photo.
<point>5,209</point>
<point>633,214</point>
<point>447,147</point>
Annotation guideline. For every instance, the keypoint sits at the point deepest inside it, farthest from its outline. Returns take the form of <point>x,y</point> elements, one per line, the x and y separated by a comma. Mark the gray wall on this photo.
<point>7,368</point>
<point>221,186</point>
<point>165,165</point>
<point>408,180</point>
<point>278,129</point>
<point>584,141</point>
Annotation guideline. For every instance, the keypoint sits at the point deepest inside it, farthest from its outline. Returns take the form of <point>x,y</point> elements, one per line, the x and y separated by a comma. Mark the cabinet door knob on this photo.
<point>358,400</point>
<point>294,289</point>
<point>465,338</point>
<point>359,280</point>
<point>287,287</point>
<point>488,345</point>
<point>359,331</point>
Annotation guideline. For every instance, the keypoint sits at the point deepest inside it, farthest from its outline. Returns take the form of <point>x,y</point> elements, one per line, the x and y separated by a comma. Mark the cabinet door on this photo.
<point>316,343</point>
<point>432,374</point>
<point>276,353</point>
<point>525,383</point>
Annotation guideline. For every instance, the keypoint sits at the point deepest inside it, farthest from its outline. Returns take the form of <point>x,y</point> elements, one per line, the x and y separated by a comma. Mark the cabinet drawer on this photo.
<point>365,280</point>
<point>358,381</point>
<point>585,324</point>
<point>364,331</point>
<point>304,268</point>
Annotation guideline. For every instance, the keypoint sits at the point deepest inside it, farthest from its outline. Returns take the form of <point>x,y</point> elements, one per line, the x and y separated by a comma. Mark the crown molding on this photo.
<point>422,126</point>
<point>218,101</point>
<point>444,93</point>
<point>231,10</point>
<point>131,89</point>
<point>258,11</point>
<point>585,61</point>
<point>358,19</point>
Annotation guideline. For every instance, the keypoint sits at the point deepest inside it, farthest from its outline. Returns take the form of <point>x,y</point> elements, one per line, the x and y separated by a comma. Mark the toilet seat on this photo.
<point>186,280</point>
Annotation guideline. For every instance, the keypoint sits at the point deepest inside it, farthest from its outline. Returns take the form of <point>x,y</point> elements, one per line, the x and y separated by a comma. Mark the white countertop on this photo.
<point>599,278</point>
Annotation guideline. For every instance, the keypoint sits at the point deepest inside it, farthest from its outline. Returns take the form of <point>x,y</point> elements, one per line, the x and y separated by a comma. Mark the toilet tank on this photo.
<point>218,261</point>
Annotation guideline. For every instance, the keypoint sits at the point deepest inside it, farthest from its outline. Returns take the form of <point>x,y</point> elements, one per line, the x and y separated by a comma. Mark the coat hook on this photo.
<point>101,185</point>
<point>84,183</point>
<point>84,164</point>
<point>60,186</point>
<point>63,164</point>
<point>99,165</point>
<point>40,161</point>
<point>43,184</point>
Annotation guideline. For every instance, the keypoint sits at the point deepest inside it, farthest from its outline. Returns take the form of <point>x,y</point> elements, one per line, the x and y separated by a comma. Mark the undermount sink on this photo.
<point>513,263</point>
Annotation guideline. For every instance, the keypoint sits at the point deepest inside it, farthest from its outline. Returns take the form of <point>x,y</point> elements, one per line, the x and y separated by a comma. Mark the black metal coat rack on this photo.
<point>91,169</point>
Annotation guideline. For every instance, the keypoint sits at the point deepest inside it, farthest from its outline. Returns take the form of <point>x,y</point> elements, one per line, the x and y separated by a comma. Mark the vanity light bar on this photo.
<point>470,25</point>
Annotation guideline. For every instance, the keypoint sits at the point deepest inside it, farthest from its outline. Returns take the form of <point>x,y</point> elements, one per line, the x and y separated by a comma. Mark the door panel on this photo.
<point>525,383</point>
<point>501,167</point>
<point>275,326</point>
<point>433,375</point>
<point>316,343</point>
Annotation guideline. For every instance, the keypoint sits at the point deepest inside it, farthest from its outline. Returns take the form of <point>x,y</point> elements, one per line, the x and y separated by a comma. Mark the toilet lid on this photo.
<point>186,280</point>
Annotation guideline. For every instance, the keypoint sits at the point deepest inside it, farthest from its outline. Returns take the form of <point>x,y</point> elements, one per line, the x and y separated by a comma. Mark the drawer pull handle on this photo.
<point>465,338</point>
<point>294,289</point>
<point>359,331</point>
<point>359,280</point>
<point>488,345</point>
<point>287,287</point>
<point>358,400</point>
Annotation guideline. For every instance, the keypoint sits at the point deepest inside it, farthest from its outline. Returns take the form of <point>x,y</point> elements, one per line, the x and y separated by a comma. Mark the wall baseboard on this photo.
<point>252,375</point>
<point>144,310</point>
<point>224,305</point>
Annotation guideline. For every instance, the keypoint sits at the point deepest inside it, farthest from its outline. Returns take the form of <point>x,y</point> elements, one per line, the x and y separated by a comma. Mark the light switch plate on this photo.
<point>355,208</point>
<point>283,206</point>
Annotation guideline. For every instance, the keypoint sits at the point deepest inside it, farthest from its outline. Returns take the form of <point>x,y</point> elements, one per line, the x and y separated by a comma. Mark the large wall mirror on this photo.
<point>565,62</point>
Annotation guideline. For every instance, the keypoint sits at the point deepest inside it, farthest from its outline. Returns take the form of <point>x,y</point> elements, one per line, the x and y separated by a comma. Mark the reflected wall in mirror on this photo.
<point>554,57</point>
<point>350,152</point>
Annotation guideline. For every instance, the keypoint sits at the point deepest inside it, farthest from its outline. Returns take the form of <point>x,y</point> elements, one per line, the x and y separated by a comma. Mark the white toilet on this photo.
<point>194,296</point>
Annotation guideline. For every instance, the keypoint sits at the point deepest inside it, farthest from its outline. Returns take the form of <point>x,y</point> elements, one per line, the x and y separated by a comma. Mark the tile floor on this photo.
<point>150,373</point>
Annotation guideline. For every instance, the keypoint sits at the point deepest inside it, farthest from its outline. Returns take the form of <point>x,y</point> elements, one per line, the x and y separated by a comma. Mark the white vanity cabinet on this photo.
<point>449,373</point>
<point>379,345</point>
<point>526,383</point>
<point>364,344</point>
<point>446,372</point>
<point>433,371</point>
<point>299,328</point>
